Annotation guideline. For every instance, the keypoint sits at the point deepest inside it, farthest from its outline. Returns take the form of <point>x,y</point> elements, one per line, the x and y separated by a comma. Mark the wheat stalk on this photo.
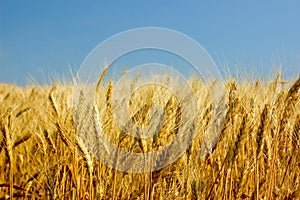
<point>6,128</point>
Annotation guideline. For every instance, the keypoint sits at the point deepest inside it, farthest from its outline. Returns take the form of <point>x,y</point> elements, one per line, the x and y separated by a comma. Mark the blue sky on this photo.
<point>49,37</point>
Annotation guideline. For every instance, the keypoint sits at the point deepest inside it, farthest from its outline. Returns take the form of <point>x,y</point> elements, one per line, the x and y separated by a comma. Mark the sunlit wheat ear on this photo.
<point>95,134</point>
<point>88,159</point>
<point>42,144</point>
<point>62,135</point>
<point>86,155</point>
<point>49,141</point>
<point>240,136</point>
<point>290,101</point>
<point>100,80</point>
<point>88,125</point>
<point>231,112</point>
<point>274,86</point>
<point>286,117</point>
<point>293,91</point>
<point>169,125</point>
<point>296,133</point>
<point>288,112</point>
<point>264,119</point>
<point>53,102</point>
<point>109,95</point>
<point>279,101</point>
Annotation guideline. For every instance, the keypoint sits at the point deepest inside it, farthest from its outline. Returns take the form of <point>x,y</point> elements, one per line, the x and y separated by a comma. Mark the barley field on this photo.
<point>257,155</point>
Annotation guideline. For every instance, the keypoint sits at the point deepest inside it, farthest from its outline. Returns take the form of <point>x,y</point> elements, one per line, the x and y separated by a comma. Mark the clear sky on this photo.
<point>47,37</point>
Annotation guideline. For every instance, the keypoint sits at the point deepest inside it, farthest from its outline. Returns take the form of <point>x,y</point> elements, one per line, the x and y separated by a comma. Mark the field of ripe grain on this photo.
<point>256,157</point>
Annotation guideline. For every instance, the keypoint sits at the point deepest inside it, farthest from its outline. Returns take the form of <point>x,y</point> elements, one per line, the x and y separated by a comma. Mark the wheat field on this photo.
<point>257,155</point>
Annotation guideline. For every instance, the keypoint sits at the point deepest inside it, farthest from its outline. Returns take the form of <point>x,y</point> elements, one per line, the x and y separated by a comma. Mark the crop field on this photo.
<point>257,155</point>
